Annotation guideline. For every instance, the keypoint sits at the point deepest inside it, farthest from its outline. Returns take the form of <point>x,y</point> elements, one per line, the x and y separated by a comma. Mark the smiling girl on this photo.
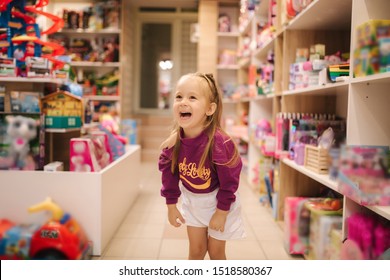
<point>200,163</point>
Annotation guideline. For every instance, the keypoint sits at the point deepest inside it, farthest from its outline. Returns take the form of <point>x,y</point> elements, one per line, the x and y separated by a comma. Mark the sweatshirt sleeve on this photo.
<point>228,174</point>
<point>170,181</point>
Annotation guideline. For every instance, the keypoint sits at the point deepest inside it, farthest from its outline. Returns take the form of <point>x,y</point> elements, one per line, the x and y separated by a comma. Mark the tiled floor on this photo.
<point>146,234</point>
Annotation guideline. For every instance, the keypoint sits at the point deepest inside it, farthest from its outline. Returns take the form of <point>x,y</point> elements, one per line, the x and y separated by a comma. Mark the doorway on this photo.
<point>164,52</point>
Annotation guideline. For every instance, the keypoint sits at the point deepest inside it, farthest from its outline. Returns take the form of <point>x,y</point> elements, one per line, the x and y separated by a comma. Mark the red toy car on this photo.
<point>60,238</point>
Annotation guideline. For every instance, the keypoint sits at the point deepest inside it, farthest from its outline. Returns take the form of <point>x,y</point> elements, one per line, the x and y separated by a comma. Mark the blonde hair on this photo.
<point>213,123</point>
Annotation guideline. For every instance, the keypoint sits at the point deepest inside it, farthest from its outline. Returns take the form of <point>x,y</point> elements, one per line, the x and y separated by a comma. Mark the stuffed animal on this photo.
<point>21,130</point>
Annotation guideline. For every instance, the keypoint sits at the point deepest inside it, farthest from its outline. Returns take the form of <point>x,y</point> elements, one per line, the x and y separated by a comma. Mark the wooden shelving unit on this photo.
<point>362,101</point>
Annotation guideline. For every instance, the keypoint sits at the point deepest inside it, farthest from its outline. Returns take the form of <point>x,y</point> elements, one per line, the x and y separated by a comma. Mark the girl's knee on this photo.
<point>216,252</point>
<point>197,252</point>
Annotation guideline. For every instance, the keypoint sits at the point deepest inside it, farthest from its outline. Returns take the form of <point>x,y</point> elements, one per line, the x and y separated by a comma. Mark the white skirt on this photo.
<point>198,208</point>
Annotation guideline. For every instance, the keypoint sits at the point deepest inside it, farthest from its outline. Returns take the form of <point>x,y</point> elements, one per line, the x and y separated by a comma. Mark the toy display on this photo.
<point>22,41</point>
<point>60,238</point>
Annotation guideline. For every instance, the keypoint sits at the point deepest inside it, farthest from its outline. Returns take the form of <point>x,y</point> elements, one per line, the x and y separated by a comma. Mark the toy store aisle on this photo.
<point>146,234</point>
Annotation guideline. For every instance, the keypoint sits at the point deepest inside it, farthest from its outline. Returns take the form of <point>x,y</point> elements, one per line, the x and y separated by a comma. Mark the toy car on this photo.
<point>60,238</point>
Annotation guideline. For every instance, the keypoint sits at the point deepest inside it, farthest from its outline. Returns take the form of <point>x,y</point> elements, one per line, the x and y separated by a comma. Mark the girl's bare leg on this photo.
<point>198,242</point>
<point>217,249</point>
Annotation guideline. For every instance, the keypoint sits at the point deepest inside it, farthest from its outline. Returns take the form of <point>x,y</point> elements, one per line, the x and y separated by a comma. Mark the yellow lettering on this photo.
<point>191,170</point>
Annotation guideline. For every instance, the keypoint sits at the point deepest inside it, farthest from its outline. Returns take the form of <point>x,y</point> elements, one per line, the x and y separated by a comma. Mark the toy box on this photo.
<point>38,67</point>
<point>321,225</point>
<point>7,67</point>
<point>129,130</point>
<point>325,215</point>
<point>366,61</point>
<point>82,156</point>
<point>296,225</point>
<point>335,244</point>
<point>367,32</point>
<point>370,233</point>
<point>25,102</point>
<point>102,148</point>
<point>364,174</point>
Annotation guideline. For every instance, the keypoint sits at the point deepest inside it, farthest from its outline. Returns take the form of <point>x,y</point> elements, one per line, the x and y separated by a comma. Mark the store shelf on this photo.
<point>95,64</point>
<point>228,67</point>
<point>383,211</point>
<point>62,130</point>
<point>31,80</point>
<point>262,52</point>
<point>373,79</point>
<point>323,179</point>
<point>326,89</point>
<point>102,97</point>
<point>91,32</point>
<point>228,34</point>
<point>323,15</point>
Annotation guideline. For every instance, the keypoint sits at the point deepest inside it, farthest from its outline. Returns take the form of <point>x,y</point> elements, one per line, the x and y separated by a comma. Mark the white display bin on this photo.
<point>99,201</point>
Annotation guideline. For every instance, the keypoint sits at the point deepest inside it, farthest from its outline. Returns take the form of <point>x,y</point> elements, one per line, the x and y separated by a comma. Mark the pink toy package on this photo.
<point>363,174</point>
<point>82,156</point>
<point>371,235</point>
<point>102,148</point>
<point>296,229</point>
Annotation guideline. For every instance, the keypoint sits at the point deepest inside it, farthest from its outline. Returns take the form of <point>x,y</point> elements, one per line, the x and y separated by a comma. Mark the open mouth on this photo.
<point>185,115</point>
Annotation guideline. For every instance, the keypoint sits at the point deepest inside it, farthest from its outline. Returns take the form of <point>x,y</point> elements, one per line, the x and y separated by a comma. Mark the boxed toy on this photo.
<point>38,67</point>
<point>364,174</point>
<point>321,226</point>
<point>296,225</point>
<point>7,67</point>
<point>25,102</point>
<point>325,215</point>
<point>82,156</point>
<point>129,130</point>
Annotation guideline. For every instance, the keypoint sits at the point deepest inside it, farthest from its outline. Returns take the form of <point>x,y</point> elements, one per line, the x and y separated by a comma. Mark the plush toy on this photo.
<point>21,130</point>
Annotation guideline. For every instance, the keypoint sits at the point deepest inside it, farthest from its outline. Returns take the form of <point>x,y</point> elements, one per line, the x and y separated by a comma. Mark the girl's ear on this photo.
<point>212,108</point>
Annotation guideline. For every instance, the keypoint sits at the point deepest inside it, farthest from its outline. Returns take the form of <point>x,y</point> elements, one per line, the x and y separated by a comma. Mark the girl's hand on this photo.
<point>174,215</point>
<point>218,220</point>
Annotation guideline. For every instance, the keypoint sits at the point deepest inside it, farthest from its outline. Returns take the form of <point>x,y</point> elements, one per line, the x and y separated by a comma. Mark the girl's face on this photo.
<point>192,106</point>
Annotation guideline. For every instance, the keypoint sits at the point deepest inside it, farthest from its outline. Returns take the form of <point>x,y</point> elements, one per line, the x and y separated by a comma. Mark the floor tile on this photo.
<point>146,234</point>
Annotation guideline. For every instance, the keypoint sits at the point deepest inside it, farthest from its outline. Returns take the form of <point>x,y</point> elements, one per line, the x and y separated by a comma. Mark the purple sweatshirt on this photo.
<point>221,176</point>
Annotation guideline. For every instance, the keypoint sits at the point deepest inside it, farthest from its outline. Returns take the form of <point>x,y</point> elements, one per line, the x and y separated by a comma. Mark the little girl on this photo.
<point>200,163</point>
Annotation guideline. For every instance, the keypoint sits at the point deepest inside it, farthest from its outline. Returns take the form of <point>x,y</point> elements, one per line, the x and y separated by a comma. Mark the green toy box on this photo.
<point>62,122</point>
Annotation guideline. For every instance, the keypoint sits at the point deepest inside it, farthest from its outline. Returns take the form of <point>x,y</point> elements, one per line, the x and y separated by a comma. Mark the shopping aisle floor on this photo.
<point>146,234</point>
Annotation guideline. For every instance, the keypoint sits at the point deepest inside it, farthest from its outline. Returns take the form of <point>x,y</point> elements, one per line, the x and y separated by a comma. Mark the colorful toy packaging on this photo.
<point>325,215</point>
<point>82,156</point>
<point>296,225</point>
<point>364,174</point>
<point>370,234</point>
<point>371,55</point>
